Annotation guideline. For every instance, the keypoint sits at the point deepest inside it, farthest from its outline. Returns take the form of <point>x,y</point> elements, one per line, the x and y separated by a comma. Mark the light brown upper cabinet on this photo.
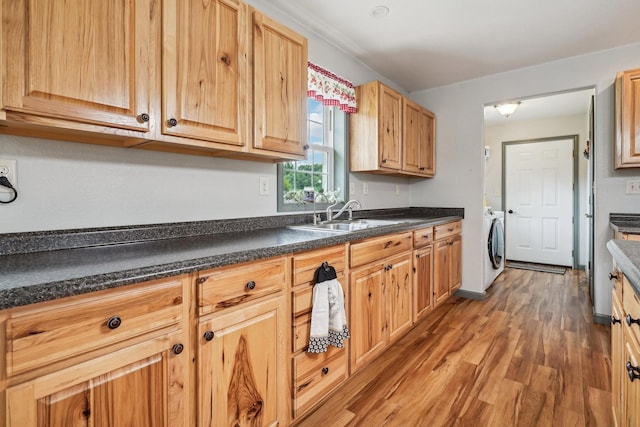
<point>89,62</point>
<point>280,87</point>
<point>206,79</point>
<point>210,78</point>
<point>418,139</point>
<point>628,119</point>
<point>390,134</point>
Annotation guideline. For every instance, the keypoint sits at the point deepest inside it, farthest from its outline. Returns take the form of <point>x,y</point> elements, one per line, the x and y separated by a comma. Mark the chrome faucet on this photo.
<point>347,206</point>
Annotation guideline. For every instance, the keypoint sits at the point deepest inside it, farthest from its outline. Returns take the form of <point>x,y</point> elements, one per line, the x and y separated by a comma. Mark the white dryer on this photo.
<point>494,245</point>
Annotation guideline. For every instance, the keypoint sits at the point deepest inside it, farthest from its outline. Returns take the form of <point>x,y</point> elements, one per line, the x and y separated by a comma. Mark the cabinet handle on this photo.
<point>632,371</point>
<point>325,370</point>
<point>450,229</point>
<point>251,285</point>
<point>631,320</point>
<point>172,122</point>
<point>143,118</point>
<point>425,236</point>
<point>422,168</point>
<point>177,348</point>
<point>614,320</point>
<point>114,322</point>
<point>208,336</point>
<point>613,276</point>
<point>384,160</point>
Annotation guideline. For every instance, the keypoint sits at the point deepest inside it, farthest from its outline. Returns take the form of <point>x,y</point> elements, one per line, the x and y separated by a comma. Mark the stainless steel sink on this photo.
<point>347,226</point>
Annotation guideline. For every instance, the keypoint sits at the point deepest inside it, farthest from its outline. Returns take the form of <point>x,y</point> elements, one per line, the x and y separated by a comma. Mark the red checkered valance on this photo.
<point>323,85</point>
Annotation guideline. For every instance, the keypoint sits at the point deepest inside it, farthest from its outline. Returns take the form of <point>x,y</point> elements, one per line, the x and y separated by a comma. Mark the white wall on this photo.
<point>459,177</point>
<point>70,185</point>
<point>523,130</point>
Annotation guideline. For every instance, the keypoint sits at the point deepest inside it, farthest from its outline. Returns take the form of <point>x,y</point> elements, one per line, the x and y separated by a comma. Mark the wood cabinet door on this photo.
<point>411,134</point>
<point>241,367</point>
<point>631,396</point>
<point>618,370</point>
<point>422,282</point>
<point>456,264</point>
<point>280,87</point>
<point>368,315</point>
<point>91,62</point>
<point>398,293</point>
<point>206,77</point>
<point>145,385</point>
<point>427,143</point>
<point>390,128</point>
<point>628,119</point>
<point>441,271</point>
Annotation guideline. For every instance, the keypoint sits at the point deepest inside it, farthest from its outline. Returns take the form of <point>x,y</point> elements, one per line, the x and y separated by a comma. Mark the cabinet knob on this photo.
<point>614,320</point>
<point>613,276</point>
<point>251,285</point>
<point>172,122</point>
<point>114,322</point>
<point>632,371</point>
<point>177,348</point>
<point>422,168</point>
<point>208,336</point>
<point>325,370</point>
<point>143,118</point>
<point>305,147</point>
<point>384,160</point>
<point>631,320</point>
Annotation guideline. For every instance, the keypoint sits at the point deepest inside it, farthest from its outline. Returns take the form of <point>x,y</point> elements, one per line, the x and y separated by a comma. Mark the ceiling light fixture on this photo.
<point>507,108</point>
<point>379,11</point>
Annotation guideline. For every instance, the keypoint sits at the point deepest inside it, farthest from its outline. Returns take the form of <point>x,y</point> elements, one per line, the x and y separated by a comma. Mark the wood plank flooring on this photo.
<point>529,355</point>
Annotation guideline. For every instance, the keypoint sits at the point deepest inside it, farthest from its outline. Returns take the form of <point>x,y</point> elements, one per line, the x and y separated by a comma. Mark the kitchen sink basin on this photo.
<point>347,226</point>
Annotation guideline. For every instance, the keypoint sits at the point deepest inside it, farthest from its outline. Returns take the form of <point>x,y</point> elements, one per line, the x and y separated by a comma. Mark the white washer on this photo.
<point>494,245</point>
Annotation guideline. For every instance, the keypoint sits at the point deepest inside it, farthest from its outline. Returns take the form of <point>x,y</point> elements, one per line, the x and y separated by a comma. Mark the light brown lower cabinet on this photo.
<point>314,375</point>
<point>240,359</point>
<point>141,385</point>
<point>113,358</point>
<point>447,261</point>
<point>625,352</point>
<point>381,295</point>
<point>241,345</point>
<point>422,282</point>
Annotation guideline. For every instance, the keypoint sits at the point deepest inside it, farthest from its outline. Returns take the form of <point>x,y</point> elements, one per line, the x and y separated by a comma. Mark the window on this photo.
<point>322,175</point>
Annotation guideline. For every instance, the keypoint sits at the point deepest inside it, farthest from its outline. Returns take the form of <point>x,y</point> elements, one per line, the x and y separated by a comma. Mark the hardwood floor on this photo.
<point>529,355</point>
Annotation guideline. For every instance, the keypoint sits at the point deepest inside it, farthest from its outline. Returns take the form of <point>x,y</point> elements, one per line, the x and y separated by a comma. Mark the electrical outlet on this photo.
<point>352,188</point>
<point>632,187</point>
<point>397,190</point>
<point>8,169</point>
<point>264,186</point>
<point>365,188</point>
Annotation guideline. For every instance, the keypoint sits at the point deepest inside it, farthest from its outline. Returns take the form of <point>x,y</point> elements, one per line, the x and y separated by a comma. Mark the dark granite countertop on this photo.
<point>36,276</point>
<point>627,256</point>
<point>625,223</point>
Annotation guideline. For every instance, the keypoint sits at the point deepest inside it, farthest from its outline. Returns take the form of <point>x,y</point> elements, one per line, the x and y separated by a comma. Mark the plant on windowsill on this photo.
<point>322,197</point>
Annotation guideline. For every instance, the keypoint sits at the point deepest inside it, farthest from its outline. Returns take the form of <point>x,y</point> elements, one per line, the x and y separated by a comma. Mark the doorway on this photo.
<point>540,198</point>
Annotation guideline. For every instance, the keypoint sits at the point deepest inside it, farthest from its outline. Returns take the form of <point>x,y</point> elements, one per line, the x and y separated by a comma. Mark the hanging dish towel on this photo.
<point>328,318</point>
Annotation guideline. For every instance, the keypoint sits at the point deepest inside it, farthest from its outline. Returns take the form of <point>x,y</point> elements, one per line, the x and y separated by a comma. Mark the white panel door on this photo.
<point>539,202</point>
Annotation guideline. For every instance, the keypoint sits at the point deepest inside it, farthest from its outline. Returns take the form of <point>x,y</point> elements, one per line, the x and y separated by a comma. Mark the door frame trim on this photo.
<point>575,191</point>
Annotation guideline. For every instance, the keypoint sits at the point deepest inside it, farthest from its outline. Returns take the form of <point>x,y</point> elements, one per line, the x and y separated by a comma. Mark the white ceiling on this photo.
<point>556,105</point>
<point>423,44</point>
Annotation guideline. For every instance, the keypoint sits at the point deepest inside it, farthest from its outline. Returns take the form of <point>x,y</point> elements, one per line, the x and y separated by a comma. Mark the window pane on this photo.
<point>316,133</point>
<point>315,109</point>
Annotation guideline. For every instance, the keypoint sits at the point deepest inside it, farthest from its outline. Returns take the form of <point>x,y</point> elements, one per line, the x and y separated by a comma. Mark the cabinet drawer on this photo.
<point>631,305</point>
<point>422,237</point>
<point>305,265</point>
<point>38,337</point>
<point>301,302</point>
<point>447,230</point>
<point>229,286</point>
<point>377,248</point>
<point>314,375</point>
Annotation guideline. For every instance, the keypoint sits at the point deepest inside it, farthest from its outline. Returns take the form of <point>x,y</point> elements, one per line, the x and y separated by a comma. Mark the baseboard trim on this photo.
<point>471,295</point>
<point>601,319</point>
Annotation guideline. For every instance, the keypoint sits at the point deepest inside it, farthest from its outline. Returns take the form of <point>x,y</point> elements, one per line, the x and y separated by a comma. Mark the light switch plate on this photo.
<point>633,186</point>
